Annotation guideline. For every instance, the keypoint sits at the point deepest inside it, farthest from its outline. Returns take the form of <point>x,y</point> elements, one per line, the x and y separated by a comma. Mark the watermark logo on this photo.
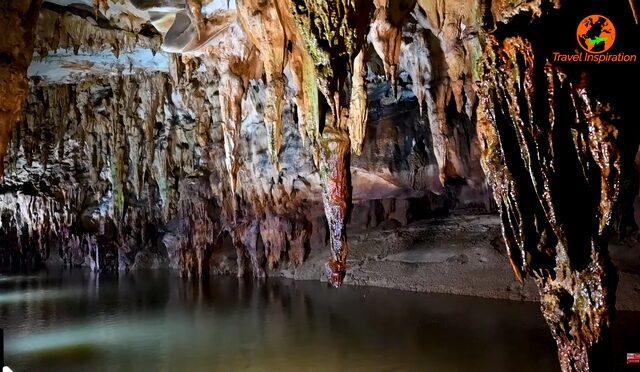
<point>596,34</point>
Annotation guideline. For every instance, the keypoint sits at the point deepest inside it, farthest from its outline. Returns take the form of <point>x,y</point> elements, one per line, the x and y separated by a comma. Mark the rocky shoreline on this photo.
<point>460,255</point>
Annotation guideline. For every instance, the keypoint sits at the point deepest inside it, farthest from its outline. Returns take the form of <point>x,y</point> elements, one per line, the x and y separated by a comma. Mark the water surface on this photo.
<point>78,321</point>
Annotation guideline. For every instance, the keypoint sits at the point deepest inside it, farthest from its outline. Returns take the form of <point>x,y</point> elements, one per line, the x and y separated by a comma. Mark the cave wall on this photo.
<point>128,172</point>
<point>232,138</point>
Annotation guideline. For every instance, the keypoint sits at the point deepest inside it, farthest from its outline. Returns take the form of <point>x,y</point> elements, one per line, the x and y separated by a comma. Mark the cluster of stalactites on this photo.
<point>264,237</point>
<point>386,35</point>
<point>116,136</point>
<point>71,31</point>
<point>547,203</point>
<point>266,29</point>
<point>334,37</point>
<point>279,34</point>
<point>320,46</point>
<point>260,38</point>
<point>323,46</point>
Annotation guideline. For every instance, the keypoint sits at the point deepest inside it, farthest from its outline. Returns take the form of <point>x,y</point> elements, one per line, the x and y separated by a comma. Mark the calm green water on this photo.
<point>78,321</point>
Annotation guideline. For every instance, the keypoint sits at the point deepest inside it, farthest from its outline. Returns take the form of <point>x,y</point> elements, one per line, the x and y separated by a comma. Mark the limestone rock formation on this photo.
<point>18,21</point>
<point>223,137</point>
<point>174,151</point>
<point>550,139</point>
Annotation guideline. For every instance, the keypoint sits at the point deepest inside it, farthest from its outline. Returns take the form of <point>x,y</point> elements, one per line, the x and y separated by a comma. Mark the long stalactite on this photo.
<point>334,34</point>
<point>265,27</point>
<point>550,153</point>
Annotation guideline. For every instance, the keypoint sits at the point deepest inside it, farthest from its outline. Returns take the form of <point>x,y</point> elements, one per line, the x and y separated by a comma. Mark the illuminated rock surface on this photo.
<point>237,137</point>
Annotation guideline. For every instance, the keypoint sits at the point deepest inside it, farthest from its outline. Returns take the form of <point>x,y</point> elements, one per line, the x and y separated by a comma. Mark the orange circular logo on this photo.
<point>596,34</point>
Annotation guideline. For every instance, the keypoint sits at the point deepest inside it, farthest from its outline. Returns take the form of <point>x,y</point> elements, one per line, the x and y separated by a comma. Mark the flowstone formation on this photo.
<point>550,138</point>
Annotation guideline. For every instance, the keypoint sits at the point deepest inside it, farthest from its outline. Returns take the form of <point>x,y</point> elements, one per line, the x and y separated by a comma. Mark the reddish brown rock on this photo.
<point>336,195</point>
<point>17,24</point>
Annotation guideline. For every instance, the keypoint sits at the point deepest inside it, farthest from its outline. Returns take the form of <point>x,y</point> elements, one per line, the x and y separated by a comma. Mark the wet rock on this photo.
<point>551,154</point>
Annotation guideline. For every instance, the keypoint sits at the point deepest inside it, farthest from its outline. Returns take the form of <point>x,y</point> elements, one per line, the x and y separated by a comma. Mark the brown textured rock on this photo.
<point>245,238</point>
<point>336,195</point>
<point>555,178</point>
<point>333,33</point>
<point>17,24</point>
<point>386,35</point>
<point>358,110</point>
<point>176,167</point>
<point>265,27</point>
<point>236,60</point>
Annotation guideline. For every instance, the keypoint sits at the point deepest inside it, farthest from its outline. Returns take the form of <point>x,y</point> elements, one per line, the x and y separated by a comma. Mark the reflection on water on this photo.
<point>160,322</point>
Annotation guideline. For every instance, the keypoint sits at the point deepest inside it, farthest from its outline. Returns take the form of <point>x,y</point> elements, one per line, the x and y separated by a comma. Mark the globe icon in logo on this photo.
<point>596,34</point>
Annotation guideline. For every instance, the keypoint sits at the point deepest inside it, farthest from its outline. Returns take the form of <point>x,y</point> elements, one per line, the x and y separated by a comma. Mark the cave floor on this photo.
<point>461,254</point>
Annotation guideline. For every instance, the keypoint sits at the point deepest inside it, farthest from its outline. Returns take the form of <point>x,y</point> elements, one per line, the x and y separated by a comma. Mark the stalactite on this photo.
<point>17,23</point>
<point>195,13</point>
<point>245,236</point>
<point>386,35</point>
<point>265,28</point>
<point>416,60</point>
<point>336,195</point>
<point>73,32</point>
<point>200,231</point>
<point>425,66</point>
<point>274,231</point>
<point>100,6</point>
<point>236,60</point>
<point>554,166</point>
<point>358,111</point>
<point>333,33</point>
<point>298,236</point>
<point>232,90</point>
<point>307,99</point>
<point>634,10</point>
<point>453,48</point>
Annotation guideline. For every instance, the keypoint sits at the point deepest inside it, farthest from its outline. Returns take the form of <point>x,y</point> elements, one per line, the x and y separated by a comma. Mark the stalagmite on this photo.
<point>17,23</point>
<point>550,153</point>
<point>265,28</point>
